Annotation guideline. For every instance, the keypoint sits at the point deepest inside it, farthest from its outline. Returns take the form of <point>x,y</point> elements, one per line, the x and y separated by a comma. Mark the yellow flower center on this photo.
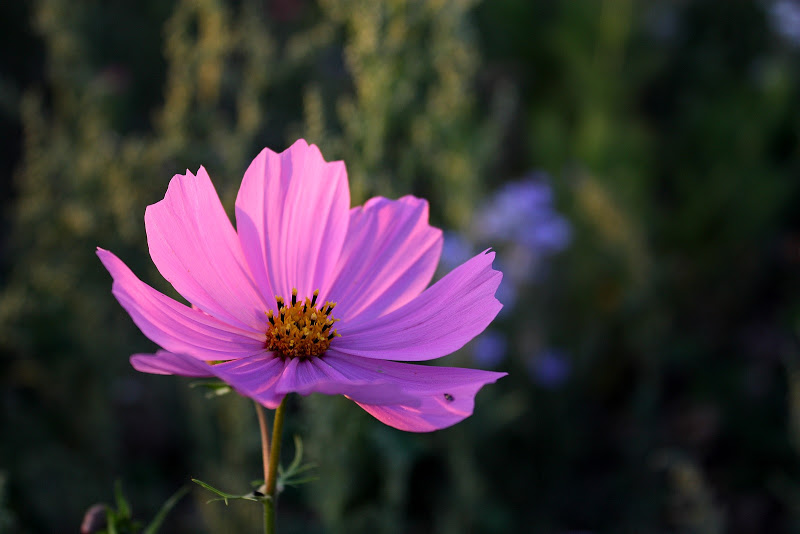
<point>300,330</point>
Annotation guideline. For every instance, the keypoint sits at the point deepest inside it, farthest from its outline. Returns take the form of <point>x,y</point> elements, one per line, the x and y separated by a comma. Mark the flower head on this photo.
<point>523,212</point>
<point>307,295</point>
<point>550,369</point>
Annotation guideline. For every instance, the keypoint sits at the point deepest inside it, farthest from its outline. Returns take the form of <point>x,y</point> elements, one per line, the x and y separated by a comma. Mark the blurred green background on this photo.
<point>652,291</point>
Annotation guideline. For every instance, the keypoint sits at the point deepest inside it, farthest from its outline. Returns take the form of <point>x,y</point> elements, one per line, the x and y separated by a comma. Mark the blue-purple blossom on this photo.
<point>522,212</point>
<point>520,218</point>
<point>507,290</point>
<point>490,349</point>
<point>456,249</point>
<point>785,17</point>
<point>550,369</point>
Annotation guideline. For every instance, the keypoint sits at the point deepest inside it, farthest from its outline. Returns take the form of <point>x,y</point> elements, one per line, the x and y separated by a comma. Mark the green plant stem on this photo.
<point>269,516</point>
<point>272,471</point>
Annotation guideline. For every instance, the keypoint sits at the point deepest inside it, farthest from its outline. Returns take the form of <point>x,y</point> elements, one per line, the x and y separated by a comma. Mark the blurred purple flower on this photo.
<point>661,20</point>
<point>489,349</point>
<point>521,220</point>
<point>95,519</point>
<point>456,249</point>
<point>507,291</point>
<point>522,212</point>
<point>785,18</point>
<point>550,369</point>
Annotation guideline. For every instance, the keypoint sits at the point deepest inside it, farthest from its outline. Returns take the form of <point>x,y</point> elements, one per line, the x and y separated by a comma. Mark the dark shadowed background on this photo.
<point>634,163</point>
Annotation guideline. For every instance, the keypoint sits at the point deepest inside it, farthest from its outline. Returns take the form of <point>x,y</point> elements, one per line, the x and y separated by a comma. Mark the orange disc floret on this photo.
<point>300,329</point>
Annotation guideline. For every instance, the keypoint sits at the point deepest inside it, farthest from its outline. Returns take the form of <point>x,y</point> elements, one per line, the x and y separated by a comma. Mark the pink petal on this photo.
<point>439,321</point>
<point>443,396</point>
<point>388,258</point>
<point>292,215</point>
<point>195,247</point>
<point>254,377</point>
<point>268,379</point>
<point>334,375</point>
<point>173,326</point>
<point>168,363</point>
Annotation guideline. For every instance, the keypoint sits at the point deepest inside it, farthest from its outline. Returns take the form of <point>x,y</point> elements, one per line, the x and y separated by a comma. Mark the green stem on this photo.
<point>269,517</point>
<point>271,490</point>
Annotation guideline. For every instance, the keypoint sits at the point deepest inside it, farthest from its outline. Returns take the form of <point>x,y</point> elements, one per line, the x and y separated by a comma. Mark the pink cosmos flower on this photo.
<point>263,317</point>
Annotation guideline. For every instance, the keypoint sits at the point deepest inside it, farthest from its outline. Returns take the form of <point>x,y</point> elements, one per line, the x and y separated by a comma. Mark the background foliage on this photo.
<point>652,348</point>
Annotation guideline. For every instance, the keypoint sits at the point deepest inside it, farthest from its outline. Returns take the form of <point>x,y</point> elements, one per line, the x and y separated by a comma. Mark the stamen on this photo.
<point>300,329</point>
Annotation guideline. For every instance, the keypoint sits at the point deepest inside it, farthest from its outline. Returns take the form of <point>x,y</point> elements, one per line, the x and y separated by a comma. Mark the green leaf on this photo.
<point>298,481</point>
<point>290,475</point>
<point>123,511</point>
<point>298,454</point>
<point>223,496</point>
<point>111,520</point>
<point>214,388</point>
<point>155,524</point>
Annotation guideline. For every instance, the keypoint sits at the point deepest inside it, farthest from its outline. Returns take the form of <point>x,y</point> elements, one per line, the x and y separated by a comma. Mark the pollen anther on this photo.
<point>301,330</point>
